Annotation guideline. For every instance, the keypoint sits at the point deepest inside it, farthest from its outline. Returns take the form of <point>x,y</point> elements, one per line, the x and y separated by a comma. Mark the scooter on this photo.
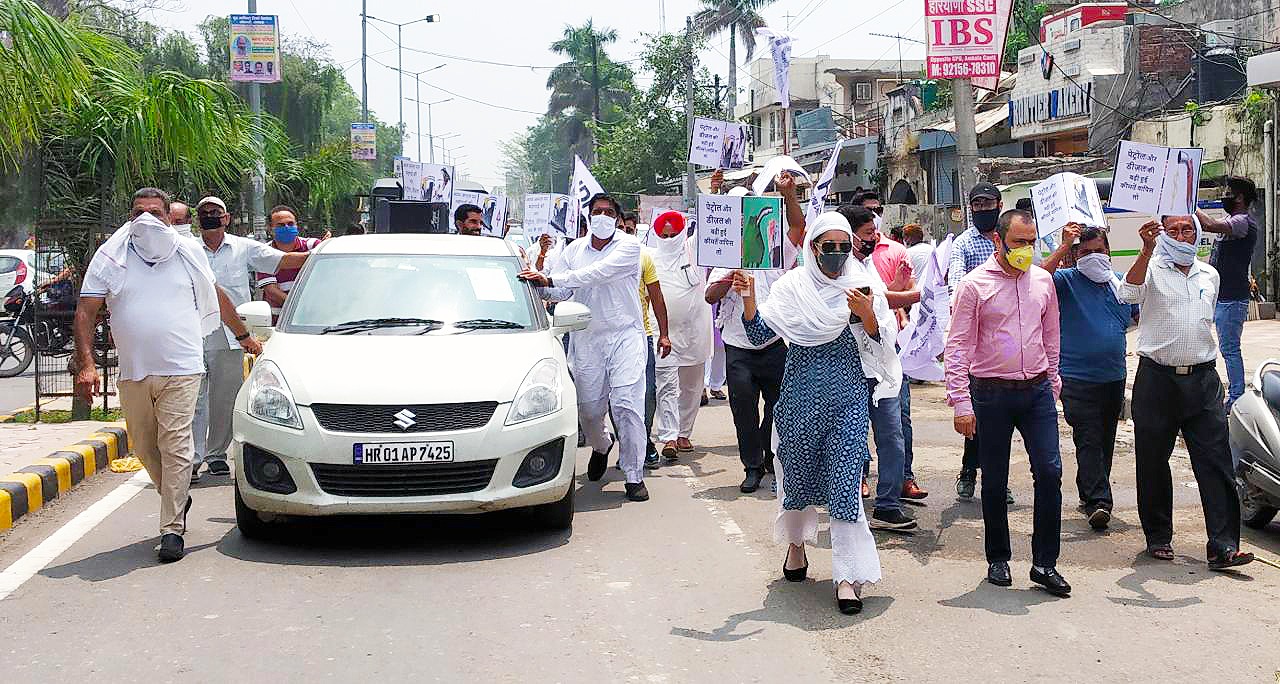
<point>1255,446</point>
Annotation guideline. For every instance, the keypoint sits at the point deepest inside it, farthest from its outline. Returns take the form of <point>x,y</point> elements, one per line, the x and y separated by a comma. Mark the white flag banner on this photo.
<point>780,50</point>
<point>922,340</point>
<point>824,181</point>
<point>582,188</point>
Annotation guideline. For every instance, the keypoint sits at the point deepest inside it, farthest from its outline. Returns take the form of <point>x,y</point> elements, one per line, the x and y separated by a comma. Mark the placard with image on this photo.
<point>718,144</point>
<point>1066,198</point>
<point>1156,180</point>
<point>739,232</point>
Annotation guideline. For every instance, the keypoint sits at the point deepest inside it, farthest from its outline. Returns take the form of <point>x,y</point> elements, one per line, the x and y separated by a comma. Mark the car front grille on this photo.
<point>390,417</point>
<point>406,479</point>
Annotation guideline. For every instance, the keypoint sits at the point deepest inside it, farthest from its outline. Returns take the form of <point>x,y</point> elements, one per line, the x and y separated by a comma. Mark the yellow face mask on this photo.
<point>1019,258</point>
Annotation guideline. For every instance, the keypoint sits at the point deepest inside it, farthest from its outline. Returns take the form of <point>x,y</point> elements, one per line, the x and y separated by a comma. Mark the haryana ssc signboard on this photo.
<point>965,39</point>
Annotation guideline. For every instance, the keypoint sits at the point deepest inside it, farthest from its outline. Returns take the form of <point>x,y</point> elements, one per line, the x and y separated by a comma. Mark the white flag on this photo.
<point>924,337</point>
<point>780,50</point>
<point>824,182</point>
<point>582,188</point>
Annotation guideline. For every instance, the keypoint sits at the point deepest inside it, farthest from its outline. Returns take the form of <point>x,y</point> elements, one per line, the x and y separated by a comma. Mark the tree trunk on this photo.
<point>56,8</point>
<point>732,100</point>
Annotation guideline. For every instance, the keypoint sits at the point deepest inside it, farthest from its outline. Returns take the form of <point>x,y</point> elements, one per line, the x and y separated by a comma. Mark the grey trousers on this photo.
<point>224,373</point>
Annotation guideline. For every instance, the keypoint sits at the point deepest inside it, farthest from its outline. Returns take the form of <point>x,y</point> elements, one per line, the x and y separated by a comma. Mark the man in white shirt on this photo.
<point>1177,390</point>
<point>163,300</point>
<point>608,358</point>
<point>232,258</point>
<point>918,250</point>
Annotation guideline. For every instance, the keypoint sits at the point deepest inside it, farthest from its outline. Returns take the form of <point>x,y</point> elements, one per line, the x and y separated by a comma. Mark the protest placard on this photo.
<point>739,232</point>
<point>461,197</point>
<point>410,175</point>
<point>437,183</point>
<point>1156,180</point>
<point>718,144</point>
<point>495,215</point>
<point>537,217</point>
<point>1066,198</point>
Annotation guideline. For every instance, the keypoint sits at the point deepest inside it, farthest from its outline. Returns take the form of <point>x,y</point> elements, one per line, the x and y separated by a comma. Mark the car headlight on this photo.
<point>541,393</point>
<point>270,398</point>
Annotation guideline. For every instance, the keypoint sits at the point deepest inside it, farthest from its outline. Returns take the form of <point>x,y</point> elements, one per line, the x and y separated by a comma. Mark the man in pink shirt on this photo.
<point>1002,374</point>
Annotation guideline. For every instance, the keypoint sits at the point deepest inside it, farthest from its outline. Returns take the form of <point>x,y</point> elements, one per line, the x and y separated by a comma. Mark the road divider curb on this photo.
<point>50,477</point>
<point>8,417</point>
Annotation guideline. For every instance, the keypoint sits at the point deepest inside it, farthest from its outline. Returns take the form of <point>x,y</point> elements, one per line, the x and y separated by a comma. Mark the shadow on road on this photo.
<point>1183,571</point>
<point>808,605</point>
<point>109,565</point>
<point>999,600</point>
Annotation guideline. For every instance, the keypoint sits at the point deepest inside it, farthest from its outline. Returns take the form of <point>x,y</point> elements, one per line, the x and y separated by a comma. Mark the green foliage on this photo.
<point>588,75</point>
<point>1199,115</point>
<point>1255,110</point>
<point>48,416</point>
<point>1024,30</point>
<point>740,18</point>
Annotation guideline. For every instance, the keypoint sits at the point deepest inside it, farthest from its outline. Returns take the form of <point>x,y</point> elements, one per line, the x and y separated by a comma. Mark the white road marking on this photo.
<point>36,559</point>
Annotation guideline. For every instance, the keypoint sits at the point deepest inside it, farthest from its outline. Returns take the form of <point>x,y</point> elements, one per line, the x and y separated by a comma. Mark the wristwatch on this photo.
<point>242,338</point>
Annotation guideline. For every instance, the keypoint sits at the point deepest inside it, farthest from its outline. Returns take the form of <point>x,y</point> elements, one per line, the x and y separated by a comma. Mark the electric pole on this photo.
<point>898,38</point>
<point>595,89</point>
<point>966,138</point>
<point>257,207</point>
<point>690,188</point>
<point>364,60</point>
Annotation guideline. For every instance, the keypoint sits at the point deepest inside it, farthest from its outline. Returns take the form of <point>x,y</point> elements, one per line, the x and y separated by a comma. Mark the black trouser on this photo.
<point>751,373</point>
<point>1164,404</point>
<point>970,459</point>
<point>1093,411</point>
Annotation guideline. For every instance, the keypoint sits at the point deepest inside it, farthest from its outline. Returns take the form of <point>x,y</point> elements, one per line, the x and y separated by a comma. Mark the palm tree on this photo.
<point>740,18</point>
<point>589,82</point>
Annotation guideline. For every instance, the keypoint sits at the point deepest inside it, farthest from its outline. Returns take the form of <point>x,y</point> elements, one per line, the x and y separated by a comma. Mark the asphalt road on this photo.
<point>680,589</point>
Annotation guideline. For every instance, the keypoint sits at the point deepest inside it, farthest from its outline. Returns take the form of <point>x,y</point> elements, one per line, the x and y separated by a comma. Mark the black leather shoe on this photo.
<point>636,491</point>
<point>795,574</point>
<point>1099,518</point>
<point>219,468</point>
<point>170,548</point>
<point>998,574</point>
<point>751,482</point>
<point>966,484</point>
<point>598,464</point>
<point>1052,582</point>
<point>851,606</point>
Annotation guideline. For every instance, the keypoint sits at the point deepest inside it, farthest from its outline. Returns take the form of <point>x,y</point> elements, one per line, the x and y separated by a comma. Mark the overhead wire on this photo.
<point>855,27</point>
<point>464,97</point>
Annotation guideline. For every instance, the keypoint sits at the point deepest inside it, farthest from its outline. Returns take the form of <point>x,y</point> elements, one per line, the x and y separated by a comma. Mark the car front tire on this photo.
<point>557,515</point>
<point>250,524</point>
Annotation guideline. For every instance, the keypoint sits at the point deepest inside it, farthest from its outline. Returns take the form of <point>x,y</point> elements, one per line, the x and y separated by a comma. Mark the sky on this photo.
<point>492,103</point>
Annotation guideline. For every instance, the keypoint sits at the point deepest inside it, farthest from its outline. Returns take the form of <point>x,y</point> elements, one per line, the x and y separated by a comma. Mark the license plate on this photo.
<point>402,452</point>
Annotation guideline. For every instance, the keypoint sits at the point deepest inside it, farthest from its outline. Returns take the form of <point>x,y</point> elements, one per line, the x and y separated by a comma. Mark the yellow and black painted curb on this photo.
<point>48,478</point>
<point>8,417</point>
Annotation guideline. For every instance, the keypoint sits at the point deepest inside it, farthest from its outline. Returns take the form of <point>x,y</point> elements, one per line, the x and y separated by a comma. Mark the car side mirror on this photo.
<point>570,316</point>
<point>256,316</point>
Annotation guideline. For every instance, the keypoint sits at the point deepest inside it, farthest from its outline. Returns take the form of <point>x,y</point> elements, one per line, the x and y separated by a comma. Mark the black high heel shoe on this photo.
<point>797,574</point>
<point>851,606</point>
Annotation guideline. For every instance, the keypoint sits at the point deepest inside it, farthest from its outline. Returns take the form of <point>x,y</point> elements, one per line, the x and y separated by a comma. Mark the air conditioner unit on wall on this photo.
<point>1221,33</point>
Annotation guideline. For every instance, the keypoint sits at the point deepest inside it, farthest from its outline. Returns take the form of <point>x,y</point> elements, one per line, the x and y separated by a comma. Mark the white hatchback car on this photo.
<point>408,374</point>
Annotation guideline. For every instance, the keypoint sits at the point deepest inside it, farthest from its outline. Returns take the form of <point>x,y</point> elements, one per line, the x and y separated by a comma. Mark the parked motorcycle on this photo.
<point>23,336</point>
<point>1255,446</point>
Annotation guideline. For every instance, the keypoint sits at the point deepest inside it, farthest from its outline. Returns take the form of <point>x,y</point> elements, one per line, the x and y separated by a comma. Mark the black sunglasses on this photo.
<point>830,247</point>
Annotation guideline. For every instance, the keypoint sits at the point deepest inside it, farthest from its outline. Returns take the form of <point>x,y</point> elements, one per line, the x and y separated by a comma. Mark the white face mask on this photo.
<point>183,228</point>
<point>152,239</point>
<point>603,227</point>
<point>1177,251</point>
<point>1096,267</point>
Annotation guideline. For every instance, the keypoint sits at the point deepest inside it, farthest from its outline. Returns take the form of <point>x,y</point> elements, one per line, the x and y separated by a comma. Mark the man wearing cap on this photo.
<point>232,258</point>
<point>969,251</point>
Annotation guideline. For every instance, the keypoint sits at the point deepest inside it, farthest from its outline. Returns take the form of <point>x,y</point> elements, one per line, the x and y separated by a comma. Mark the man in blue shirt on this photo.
<point>1092,364</point>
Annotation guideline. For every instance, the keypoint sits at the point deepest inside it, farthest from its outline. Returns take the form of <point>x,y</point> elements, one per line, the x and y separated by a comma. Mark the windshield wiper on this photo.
<point>373,323</point>
<point>488,324</point>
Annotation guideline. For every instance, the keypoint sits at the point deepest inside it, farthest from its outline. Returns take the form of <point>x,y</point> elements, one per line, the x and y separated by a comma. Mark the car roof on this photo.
<point>419,244</point>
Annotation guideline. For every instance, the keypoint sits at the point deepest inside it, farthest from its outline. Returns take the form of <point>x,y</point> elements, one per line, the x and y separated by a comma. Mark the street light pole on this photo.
<point>400,79</point>
<point>364,18</point>
<point>364,59</point>
<point>418,101</point>
<point>257,202</point>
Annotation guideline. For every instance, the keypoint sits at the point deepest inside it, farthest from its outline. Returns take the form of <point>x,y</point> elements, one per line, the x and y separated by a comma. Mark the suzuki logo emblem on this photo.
<point>405,419</point>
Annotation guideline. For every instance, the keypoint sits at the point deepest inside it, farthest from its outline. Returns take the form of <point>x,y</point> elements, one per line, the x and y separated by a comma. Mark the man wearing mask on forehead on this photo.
<point>1002,374</point>
<point>602,271</point>
<point>163,301</point>
<point>1177,390</point>
<point>970,250</point>
<point>275,285</point>
<point>232,258</point>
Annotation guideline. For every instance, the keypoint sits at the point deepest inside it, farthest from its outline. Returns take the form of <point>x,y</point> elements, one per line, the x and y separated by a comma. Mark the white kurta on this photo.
<point>684,289</point>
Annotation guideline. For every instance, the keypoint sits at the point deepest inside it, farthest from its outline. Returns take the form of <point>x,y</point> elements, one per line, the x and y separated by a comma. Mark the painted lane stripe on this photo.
<point>48,550</point>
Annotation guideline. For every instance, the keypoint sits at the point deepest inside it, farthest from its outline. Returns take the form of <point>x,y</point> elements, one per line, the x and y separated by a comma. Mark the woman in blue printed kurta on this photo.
<point>824,312</point>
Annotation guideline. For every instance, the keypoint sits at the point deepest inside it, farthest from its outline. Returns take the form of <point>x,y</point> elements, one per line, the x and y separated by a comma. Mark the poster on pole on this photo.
<point>364,141</point>
<point>780,51</point>
<point>718,144</point>
<point>739,232</point>
<point>965,39</point>
<point>437,183</point>
<point>1156,180</point>
<point>819,196</point>
<point>495,215</point>
<point>255,48</point>
<point>1066,198</point>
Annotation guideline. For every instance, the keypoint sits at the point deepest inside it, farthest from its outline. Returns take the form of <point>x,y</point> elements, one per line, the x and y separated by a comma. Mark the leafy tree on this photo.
<point>1024,29</point>
<point>576,84</point>
<point>740,18</point>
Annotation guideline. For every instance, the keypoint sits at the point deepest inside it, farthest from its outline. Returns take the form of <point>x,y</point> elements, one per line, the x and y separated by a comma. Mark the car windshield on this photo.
<point>400,294</point>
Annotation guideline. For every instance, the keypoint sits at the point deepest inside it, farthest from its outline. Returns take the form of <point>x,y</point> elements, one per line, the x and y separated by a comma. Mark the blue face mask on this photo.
<point>286,234</point>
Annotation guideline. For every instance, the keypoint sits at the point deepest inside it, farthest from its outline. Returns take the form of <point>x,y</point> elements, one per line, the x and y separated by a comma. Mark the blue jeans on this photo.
<point>1031,410</point>
<point>904,398</point>
<point>1229,317</point>
<point>886,426</point>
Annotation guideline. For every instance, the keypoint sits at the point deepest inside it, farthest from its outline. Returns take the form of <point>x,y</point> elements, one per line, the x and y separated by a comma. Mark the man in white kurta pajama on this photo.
<point>680,376</point>
<point>602,271</point>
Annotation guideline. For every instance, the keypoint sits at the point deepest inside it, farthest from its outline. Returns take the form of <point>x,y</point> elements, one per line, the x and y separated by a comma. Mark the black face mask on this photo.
<point>864,248</point>
<point>985,221</point>
<point>210,222</point>
<point>832,263</point>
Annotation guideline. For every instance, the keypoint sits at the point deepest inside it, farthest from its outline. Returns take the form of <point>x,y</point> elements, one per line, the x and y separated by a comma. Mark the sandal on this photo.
<point>1162,552</point>
<point>1232,559</point>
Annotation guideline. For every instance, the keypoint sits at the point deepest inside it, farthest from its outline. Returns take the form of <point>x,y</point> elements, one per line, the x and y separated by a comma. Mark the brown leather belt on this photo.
<point>1006,384</point>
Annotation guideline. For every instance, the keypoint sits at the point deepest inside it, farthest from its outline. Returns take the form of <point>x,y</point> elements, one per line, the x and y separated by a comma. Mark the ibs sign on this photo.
<point>965,39</point>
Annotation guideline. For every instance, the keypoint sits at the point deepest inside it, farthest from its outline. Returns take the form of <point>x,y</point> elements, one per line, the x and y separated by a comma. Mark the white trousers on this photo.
<point>716,369</point>
<point>679,396</point>
<point>627,406</point>
<point>854,558</point>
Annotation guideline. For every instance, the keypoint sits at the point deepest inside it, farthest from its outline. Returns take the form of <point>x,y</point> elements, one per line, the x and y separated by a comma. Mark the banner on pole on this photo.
<point>739,232</point>
<point>718,144</point>
<point>780,50</point>
<point>965,39</point>
<point>922,340</point>
<point>582,187</point>
<point>364,141</point>
<point>1156,180</point>
<point>824,181</point>
<point>255,48</point>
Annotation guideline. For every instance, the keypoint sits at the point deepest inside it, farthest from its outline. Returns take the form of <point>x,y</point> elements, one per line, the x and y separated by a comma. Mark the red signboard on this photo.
<point>965,39</point>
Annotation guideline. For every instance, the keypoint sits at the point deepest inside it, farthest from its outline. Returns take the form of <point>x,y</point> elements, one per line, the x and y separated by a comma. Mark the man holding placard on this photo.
<point>1177,390</point>
<point>1232,255</point>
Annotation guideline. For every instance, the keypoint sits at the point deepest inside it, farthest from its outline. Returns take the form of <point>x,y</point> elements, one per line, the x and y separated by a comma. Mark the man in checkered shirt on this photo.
<point>970,250</point>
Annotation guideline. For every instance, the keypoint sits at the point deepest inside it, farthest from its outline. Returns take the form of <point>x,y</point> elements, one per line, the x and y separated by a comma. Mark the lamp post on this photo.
<point>430,137</point>
<point>430,19</point>
<point>417,82</point>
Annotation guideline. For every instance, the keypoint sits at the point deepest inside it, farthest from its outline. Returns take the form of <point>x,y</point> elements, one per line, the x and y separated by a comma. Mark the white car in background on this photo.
<point>408,374</point>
